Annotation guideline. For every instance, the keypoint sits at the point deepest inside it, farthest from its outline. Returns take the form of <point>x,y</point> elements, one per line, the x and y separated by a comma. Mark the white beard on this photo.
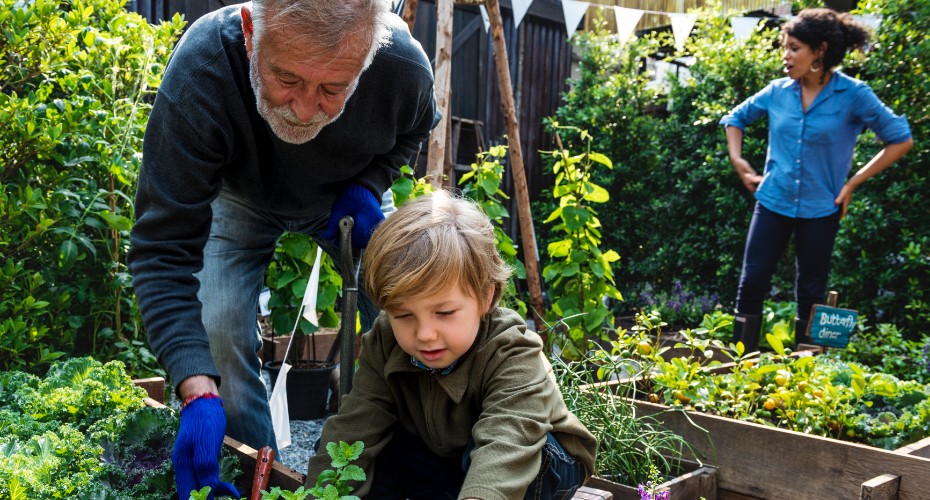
<point>282,119</point>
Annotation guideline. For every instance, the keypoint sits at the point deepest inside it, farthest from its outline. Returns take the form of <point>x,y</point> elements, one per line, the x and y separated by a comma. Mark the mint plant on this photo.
<point>331,484</point>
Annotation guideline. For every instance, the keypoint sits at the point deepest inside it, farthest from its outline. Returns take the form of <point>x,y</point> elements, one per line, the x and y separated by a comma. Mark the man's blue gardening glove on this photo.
<point>359,202</point>
<point>197,448</point>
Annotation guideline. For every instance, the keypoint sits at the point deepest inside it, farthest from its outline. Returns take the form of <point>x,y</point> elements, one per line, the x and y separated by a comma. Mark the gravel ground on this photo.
<point>303,434</point>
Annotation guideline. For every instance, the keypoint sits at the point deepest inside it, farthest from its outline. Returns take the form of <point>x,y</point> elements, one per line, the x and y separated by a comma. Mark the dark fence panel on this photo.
<point>155,11</point>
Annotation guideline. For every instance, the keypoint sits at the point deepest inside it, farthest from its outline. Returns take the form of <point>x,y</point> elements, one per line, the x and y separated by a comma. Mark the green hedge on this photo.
<point>678,213</point>
<point>75,85</point>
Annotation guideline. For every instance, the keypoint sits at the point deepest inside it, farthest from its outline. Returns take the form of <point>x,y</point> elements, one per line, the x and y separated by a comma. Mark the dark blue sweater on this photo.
<point>205,134</point>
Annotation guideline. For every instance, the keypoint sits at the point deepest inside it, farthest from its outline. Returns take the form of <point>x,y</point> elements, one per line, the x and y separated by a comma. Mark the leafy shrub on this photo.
<point>76,80</point>
<point>678,212</point>
<point>886,349</point>
<point>679,307</point>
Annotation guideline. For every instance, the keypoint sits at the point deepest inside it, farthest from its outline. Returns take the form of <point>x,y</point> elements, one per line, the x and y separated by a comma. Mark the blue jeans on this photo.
<point>408,469</point>
<point>240,247</point>
<point>767,239</point>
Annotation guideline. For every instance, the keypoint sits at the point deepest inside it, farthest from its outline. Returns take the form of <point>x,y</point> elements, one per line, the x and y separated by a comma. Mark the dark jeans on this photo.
<point>408,469</point>
<point>768,237</point>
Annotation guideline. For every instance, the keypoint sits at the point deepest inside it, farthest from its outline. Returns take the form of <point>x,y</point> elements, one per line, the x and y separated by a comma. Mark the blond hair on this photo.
<point>432,242</point>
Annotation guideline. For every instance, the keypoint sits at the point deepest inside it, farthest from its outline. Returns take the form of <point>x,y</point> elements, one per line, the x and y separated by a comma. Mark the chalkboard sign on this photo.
<point>832,326</point>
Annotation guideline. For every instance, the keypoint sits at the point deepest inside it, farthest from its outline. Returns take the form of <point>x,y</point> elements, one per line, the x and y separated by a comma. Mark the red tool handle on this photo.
<point>263,464</point>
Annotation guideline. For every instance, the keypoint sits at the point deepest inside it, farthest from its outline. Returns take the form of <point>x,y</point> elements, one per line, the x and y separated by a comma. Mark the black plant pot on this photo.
<point>307,388</point>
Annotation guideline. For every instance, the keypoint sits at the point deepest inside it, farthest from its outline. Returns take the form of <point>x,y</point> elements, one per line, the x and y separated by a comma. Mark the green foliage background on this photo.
<point>77,79</point>
<point>679,213</point>
<point>76,83</point>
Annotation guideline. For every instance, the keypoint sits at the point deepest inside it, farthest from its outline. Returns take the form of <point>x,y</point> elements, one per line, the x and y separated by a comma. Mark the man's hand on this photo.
<point>363,206</point>
<point>197,448</point>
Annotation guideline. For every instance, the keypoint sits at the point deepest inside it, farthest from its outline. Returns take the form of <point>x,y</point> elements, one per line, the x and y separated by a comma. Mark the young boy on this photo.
<point>453,396</point>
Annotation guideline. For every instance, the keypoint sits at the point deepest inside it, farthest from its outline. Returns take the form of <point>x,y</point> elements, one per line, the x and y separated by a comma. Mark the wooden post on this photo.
<point>443,88</point>
<point>884,487</point>
<point>410,14</point>
<point>516,162</point>
<point>832,298</point>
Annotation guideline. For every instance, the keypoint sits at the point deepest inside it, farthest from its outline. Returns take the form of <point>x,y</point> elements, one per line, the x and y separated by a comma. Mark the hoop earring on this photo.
<point>813,70</point>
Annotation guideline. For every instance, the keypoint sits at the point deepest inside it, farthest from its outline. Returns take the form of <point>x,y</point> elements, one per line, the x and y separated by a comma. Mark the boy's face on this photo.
<point>437,329</point>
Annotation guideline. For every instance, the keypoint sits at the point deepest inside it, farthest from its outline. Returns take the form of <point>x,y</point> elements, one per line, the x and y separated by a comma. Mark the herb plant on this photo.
<point>629,445</point>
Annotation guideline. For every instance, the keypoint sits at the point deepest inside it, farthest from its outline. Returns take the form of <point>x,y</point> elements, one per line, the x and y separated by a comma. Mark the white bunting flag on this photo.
<point>872,21</point>
<point>313,286</point>
<point>627,19</point>
<point>485,18</point>
<point>519,10</point>
<point>743,27</point>
<point>681,28</point>
<point>573,11</point>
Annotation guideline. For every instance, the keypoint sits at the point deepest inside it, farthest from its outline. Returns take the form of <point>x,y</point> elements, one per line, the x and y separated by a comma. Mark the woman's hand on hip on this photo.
<point>845,198</point>
<point>747,175</point>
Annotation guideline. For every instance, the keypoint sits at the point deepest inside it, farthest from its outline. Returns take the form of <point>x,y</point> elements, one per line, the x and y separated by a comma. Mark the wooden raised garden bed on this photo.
<point>283,476</point>
<point>756,461</point>
<point>694,483</point>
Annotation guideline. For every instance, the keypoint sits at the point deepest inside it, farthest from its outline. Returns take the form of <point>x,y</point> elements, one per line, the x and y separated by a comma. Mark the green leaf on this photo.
<point>118,222</point>
<point>575,218</point>
<point>596,194</point>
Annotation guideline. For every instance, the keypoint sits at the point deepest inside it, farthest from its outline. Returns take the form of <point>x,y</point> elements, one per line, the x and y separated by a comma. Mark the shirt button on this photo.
<point>799,141</point>
<point>798,160</point>
<point>797,181</point>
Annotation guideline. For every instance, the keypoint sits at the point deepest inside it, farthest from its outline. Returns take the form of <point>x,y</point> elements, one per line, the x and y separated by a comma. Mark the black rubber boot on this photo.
<point>746,328</point>
<point>800,333</point>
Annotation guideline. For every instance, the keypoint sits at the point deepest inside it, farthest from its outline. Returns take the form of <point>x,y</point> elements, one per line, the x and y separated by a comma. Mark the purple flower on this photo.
<point>643,494</point>
<point>663,495</point>
<point>927,355</point>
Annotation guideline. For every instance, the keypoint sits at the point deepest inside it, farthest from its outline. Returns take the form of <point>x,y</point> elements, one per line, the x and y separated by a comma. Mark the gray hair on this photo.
<point>325,24</point>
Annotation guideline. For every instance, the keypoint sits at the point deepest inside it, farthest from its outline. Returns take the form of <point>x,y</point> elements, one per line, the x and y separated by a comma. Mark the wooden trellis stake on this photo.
<point>516,162</point>
<point>438,138</point>
<point>442,86</point>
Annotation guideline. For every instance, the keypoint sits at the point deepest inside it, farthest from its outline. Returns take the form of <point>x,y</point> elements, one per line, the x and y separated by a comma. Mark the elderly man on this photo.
<point>274,116</point>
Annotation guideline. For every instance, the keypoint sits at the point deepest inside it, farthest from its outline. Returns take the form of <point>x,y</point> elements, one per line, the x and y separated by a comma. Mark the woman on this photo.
<point>815,115</point>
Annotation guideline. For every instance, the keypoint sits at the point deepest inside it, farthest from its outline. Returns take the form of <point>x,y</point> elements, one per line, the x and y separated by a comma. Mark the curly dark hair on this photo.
<point>839,29</point>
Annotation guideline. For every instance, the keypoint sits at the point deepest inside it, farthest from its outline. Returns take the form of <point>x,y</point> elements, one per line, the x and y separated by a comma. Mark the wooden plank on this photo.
<point>281,475</point>
<point>759,461</point>
<point>919,449</point>
<point>588,493</point>
<point>884,487</point>
<point>154,387</point>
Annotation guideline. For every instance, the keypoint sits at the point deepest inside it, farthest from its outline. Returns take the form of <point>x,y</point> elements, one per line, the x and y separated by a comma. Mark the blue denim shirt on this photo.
<point>810,153</point>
